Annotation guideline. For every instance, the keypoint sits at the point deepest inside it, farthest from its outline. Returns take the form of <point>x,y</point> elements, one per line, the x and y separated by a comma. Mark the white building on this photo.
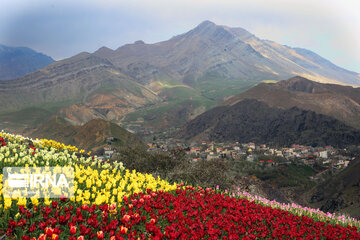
<point>324,154</point>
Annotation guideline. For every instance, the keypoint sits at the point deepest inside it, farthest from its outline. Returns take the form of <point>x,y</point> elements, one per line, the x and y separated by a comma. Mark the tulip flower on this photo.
<point>55,237</point>
<point>42,237</point>
<point>49,231</point>
<point>100,235</point>
<point>123,230</point>
<point>73,230</point>
<point>126,218</point>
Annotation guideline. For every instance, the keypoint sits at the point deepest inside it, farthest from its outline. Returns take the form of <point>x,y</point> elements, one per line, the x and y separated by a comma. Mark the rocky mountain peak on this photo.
<point>104,51</point>
<point>205,24</point>
<point>209,30</point>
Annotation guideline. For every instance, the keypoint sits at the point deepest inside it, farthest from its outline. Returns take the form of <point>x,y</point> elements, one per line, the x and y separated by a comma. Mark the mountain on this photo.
<point>339,194</point>
<point>254,121</point>
<point>339,102</point>
<point>90,136</point>
<point>212,63</point>
<point>18,61</point>
<point>84,87</point>
<point>211,53</point>
<point>165,84</point>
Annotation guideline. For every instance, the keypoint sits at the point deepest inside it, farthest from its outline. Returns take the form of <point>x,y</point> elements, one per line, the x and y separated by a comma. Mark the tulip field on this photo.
<point>111,202</point>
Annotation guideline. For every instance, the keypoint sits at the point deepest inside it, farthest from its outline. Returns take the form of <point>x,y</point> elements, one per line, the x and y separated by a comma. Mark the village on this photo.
<point>328,156</point>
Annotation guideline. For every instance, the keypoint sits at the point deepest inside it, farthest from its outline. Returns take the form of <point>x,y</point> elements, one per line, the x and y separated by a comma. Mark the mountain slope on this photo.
<point>339,194</point>
<point>339,102</point>
<point>18,61</point>
<point>254,121</point>
<point>90,136</point>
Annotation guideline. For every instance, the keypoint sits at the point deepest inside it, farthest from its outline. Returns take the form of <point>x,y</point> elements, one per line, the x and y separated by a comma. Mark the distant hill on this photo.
<point>18,61</point>
<point>339,102</point>
<point>254,121</point>
<point>90,136</point>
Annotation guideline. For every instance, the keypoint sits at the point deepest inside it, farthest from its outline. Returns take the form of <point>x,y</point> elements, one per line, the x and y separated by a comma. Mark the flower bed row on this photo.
<point>181,214</point>
<point>111,202</point>
<point>296,209</point>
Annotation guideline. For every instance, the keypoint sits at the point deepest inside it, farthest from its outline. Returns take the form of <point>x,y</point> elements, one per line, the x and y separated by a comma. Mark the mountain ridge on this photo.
<point>271,53</point>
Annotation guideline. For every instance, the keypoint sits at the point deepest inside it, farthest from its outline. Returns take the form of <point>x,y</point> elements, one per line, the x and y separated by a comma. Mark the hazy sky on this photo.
<point>63,28</point>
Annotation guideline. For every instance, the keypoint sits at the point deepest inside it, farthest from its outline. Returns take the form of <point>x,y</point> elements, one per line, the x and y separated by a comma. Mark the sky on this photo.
<point>63,28</point>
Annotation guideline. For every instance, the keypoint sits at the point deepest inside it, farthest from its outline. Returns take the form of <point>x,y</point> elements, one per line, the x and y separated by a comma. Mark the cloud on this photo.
<point>64,28</point>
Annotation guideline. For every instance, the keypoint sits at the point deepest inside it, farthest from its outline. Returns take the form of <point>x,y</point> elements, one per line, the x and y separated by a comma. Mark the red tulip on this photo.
<point>42,237</point>
<point>73,230</point>
<point>123,230</point>
<point>55,237</point>
<point>54,204</point>
<point>81,238</point>
<point>126,218</point>
<point>100,235</point>
<point>85,207</point>
<point>49,231</point>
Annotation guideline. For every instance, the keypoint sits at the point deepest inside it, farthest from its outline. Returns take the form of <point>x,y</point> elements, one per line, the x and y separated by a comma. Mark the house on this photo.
<point>250,158</point>
<point>270,162</point>
<point>323,154</point>
<point>279,153</point>
<point>211,156</point>
<point>195,150</point>
<point>347,162</point>
<point>108,152</point>
<point>296,146</point>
